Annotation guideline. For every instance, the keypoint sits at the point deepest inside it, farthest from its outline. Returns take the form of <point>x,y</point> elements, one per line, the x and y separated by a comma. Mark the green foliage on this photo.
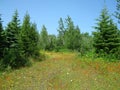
<point>2,39</point>
<point>86,43</point>
<point>117,13</point>
<point>69,35</point>
<point>34,39</point>
<point>29,37</point>
<point>13,59</point>
<point>44,38</point>
<point>77,41</point>
<point>12,32</point>
<point>20,43</point>
<point>75,73</point>
<point>13,55</point>
<point>61,33</point>
<point>25,34</point>
<point>47,42</point>
<point>106,40</point>
<point>51,42</point>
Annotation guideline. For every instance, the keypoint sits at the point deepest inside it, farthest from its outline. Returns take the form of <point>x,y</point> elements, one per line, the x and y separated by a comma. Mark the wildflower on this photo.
<point>67,73</point>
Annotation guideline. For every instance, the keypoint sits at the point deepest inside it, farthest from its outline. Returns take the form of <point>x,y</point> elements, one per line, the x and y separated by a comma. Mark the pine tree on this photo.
<point>106,37</point>
<point>117,13</point>
<point>25,35</point>
<point>34,39</point>
<point>72,35</point>
<point>12,31</point>
<point>103,25</point>
<point>2,43</point>
<point>29,38</point>
<point>13,56</point>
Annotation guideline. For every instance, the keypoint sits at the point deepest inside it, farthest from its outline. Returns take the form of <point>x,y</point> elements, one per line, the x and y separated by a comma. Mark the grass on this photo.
<point>64,71</point>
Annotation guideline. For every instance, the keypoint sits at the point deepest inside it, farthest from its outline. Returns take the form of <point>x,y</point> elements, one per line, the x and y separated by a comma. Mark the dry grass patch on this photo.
<point>64,71</point>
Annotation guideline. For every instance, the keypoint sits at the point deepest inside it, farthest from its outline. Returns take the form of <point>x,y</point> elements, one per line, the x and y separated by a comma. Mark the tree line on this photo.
<point>20,41</point>
<point>69,37</point>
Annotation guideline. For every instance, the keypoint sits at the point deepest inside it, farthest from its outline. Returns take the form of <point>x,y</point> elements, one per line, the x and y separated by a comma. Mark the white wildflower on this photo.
<point>67,73</point>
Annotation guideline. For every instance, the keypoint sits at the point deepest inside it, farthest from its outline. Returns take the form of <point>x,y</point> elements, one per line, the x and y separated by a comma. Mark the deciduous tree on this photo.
<point>44,38</point>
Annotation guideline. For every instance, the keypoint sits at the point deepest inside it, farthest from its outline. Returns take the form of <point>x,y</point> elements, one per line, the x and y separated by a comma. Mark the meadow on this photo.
<point>64,71</point>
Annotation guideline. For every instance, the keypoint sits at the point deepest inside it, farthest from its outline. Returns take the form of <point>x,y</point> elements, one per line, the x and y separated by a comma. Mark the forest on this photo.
<point>21,42</point>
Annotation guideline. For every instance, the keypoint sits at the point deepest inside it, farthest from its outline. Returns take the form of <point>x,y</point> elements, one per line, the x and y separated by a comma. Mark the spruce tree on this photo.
<point>72,35</point>
<point>25,35</point>
<point>117,12</point>
<point>106,37</point>
<point>34,39</point>
<point>117,15</point>
<point>2,43</point>
<point>12,31</point>
<point>13,56</point>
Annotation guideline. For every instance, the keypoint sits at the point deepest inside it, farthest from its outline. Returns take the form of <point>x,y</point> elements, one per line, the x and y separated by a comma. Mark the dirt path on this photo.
<point>63,71</point>
<point>39,76</point>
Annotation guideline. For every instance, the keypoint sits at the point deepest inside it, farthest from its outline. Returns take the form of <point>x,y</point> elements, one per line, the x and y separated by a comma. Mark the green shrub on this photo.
<point>13,59</point>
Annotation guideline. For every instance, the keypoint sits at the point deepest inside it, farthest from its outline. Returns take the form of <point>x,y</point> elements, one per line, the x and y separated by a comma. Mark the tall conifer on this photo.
<point>106,39</point>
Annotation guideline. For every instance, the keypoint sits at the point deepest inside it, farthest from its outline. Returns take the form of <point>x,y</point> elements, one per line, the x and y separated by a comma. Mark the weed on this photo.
<point>64,71</point>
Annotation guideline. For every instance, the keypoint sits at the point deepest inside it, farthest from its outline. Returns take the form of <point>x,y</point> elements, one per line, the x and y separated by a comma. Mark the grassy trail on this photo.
<point>64,71</point>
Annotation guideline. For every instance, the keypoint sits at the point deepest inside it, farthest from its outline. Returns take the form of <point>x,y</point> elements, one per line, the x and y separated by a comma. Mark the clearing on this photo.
<point>64,71</point>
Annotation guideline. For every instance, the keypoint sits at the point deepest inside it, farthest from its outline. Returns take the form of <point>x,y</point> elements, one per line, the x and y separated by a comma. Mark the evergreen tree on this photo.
<point>72,35</point>
<point>2,43</point>
<point>25,35</point>
<point>12,31</point>
<point>13,56</point>
<point>106,37</point>
<point>44,38</point>
<point>34,39</point>
<point>117,13</point>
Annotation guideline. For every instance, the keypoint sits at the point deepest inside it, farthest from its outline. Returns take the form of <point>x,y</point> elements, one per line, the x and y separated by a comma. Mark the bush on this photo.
<point>117,53</point>
<point>13,59</point>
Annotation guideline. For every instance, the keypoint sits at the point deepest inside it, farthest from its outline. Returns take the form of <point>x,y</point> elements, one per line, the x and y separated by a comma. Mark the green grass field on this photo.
<point>64,71</point>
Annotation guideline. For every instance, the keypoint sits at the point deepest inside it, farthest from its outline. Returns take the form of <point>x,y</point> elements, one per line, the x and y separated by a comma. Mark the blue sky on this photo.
<point>48,12</point>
